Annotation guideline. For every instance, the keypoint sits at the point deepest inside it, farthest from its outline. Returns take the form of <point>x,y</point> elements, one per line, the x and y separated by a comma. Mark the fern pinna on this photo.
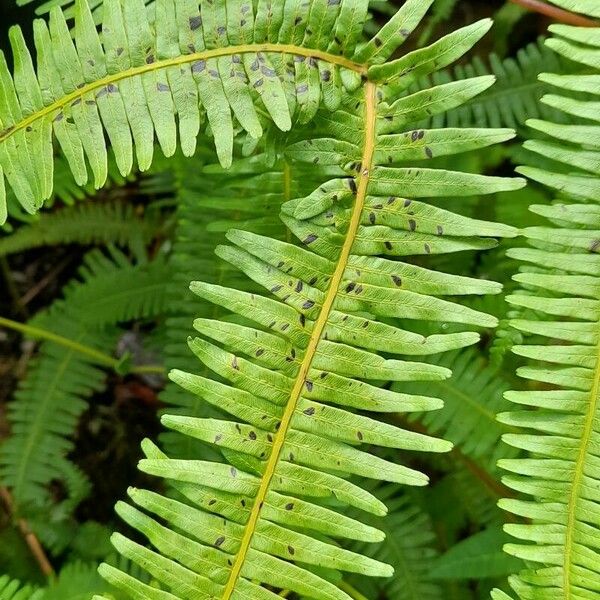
<point>297,368</point>
<point>560,280</point>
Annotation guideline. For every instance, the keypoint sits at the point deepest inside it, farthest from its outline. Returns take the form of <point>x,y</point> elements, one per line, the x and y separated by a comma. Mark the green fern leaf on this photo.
<point>295,367</point>
<point>11,589</point>
<point>560,415</point>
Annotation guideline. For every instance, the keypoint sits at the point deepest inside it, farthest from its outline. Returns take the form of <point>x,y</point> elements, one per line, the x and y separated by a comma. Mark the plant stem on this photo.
<point>346,587</point>
<point>30,538</point>
<point>557,14</point>
<point>99,357</point>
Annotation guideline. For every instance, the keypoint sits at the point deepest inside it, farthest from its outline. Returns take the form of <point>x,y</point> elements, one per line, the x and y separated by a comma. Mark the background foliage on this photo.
<point>111,275</point>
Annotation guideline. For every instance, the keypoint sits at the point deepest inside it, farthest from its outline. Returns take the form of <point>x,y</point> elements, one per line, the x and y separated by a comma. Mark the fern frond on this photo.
<point>11,589</point>
<point>472,397</point>
<point>509,103</point>
<point>86,224</point>
<point>51,398</point>
<point>409,546</point>
<point>561,413</point>
<point>132,80</point>
<point>296,366</point>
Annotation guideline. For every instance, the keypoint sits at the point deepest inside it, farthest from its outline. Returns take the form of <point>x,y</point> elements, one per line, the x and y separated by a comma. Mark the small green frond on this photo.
<point>13,590</point>
<point>86,224</point>
<point>559,415</point>
<point>409,546</point>
<point>509,103</point>
<point>472,397</point>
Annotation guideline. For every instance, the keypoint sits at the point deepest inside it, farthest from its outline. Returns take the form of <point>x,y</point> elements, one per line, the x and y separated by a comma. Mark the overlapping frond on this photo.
<point>295,366</point>
<point>561,411</point>
<point>227,69</point>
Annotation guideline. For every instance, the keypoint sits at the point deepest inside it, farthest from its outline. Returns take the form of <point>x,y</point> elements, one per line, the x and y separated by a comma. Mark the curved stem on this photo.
<point>557,14</point>
<point>346,587</point>
<point>99,357</point>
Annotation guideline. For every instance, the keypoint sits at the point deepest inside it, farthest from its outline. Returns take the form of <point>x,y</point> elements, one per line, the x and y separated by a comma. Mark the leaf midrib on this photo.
<point>279,439</point>
<point>577,478</point>
<point>79,93</point>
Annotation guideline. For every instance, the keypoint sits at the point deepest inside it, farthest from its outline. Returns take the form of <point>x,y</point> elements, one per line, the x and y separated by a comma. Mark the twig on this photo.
<point>10,284</point>
<point>30,537</point>
<point>42,283</point>
<point>557,14</point>
<point>99,357</point>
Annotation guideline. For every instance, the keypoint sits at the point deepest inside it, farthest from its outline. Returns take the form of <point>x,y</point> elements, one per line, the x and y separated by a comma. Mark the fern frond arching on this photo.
<point>132,83</point>
<point>296,367</point>
<point>560,283</point>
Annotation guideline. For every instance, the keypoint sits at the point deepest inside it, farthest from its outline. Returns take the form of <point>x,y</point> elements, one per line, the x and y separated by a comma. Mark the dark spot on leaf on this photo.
<point>350,286</point>
<point>162,87</point>
<point>234,363</point>
<point>299,286</point>
<point>219,541</point>
<point>199,66</point>
<point>440,230</point>
<point>291,550</point>
<point>308,304</point>
<point>149,59</point>
<point>195,22</point>
<point>325,75</point>
<point>289,506</point>
<point>276,288</point>
<point>260,352</point>
<point>397,280</point>
<point>407,203</point>
<point>313,281</point>
<point>427,249</point>
<point>309,385</point>
<point>428,152</point>
<point>359,435</point>
<point>377,42</point>
<point>310,411</point>
<point>372,218</point>
<point>388,245</point>
<point>211,502</point>
<point>252,435</point>
<point>412,224</point>
<point>309,239</point>
<point>233,471</point>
